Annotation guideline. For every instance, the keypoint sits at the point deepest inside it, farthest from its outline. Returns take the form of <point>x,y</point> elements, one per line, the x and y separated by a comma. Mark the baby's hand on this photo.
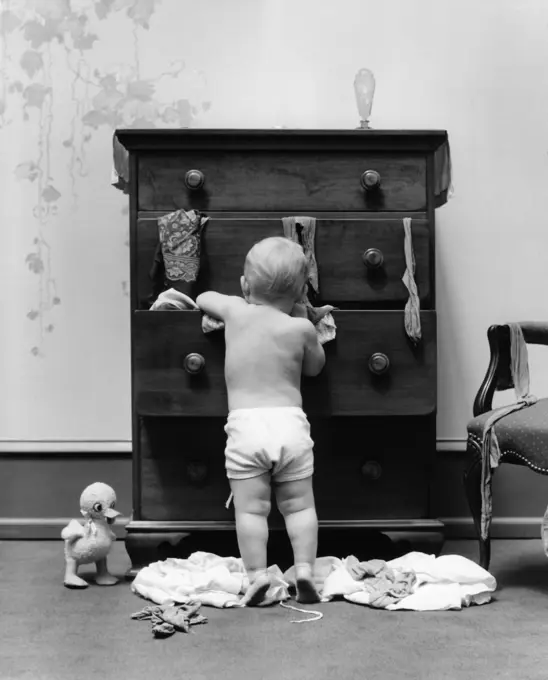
<point>315,314</point>
<point>299,311</point>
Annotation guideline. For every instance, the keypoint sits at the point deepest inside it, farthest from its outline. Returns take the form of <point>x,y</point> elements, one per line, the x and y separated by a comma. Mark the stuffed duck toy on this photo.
<point>92,541</point>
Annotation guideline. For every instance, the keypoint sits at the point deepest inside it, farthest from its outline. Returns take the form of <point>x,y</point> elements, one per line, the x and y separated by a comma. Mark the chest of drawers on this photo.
<point>373,408</point>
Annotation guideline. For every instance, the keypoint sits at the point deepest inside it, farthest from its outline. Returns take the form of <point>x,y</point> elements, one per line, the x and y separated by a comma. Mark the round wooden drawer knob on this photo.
<point>194,179</point>
<point>370,180</point>
<point>373,258</point>
<point>371,470</point>
<point>379,363</point>
<point>194,363</point>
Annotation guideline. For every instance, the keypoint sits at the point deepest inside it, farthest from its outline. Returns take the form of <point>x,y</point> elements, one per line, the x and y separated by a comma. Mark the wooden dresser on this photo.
<point>373,408</point>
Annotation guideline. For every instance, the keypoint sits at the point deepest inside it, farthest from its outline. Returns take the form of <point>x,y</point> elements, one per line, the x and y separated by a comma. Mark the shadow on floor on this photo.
<point>331,542</point>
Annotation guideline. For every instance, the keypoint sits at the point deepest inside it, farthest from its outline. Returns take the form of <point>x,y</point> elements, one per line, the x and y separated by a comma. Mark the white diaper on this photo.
<point>275,440</point>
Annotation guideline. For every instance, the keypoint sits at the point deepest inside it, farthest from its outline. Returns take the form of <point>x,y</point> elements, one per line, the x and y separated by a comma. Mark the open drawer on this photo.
<point>372,368</point>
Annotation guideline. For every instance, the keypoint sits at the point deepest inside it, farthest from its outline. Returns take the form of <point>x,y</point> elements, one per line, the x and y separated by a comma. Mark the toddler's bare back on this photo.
<point>264,355</point>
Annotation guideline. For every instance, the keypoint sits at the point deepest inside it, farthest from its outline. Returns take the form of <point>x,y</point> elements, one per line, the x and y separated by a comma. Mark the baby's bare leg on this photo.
<point>296,503</point>
<point>252,505</point>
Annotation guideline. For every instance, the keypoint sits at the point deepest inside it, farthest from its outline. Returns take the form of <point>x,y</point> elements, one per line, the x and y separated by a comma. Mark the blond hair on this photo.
<point>276,268</point>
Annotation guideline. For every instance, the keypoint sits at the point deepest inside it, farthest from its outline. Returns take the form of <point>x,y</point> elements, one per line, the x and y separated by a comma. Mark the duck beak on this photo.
<point>111,515</point>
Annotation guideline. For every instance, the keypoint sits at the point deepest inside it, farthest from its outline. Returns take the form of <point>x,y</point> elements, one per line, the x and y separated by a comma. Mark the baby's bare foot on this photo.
<point>255,594</point>
<point>304,583</point>
<point>306,591</point>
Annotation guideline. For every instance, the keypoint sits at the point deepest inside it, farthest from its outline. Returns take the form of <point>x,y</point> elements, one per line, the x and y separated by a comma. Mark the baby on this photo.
<point>269,343</point>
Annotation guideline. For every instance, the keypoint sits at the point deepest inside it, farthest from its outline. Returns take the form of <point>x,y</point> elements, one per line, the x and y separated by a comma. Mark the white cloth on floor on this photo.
<point>213,580</point>
<point>441,583</point>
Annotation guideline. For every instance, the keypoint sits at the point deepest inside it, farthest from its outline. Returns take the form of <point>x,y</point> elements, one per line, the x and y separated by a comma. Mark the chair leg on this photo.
<point>472,485</point>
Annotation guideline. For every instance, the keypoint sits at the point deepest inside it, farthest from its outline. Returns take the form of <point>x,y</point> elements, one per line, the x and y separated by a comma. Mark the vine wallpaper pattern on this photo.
<point>51,60</point>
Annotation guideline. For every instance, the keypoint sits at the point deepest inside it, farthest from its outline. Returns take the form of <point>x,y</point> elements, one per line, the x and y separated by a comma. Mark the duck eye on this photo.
<point>97,507</point>
<point>113,504</point>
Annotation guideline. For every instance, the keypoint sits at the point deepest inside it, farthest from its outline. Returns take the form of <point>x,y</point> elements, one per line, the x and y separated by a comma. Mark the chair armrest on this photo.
<point>535,332</point>
<point>498,376</point>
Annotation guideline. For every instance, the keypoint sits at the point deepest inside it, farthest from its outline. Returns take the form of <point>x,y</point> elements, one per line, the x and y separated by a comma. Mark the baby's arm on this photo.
<point>218,305</point>
<point>314,355</point>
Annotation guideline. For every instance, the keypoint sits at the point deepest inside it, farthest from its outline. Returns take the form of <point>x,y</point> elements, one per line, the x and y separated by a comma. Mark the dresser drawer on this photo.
<point>343,251</point>
<point>365,342</point>
<point>166,347</point>
<point>370,466</point>
<point>348,385</point>
<point>283,180</point>
<point>182,469</point>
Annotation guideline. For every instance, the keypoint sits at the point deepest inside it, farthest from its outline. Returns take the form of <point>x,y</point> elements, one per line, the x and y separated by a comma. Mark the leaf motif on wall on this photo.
<point>185,112</point>
<point>33,314</point>
<point>16,86</point>
<point>140,11</point>
<point>94,119</point>
<point>170,115</point>
<point>50,194</point>
<point>34,263</point>
<point>141,89</point>
<point>38,33</point>
<point>27,170</point>
<point>56,10</point>
<point>9,21</point>
<point>35,94</point>
<point>103,8</point>
<point>85,42</point>
<point>76,25</point>
<point>31,62</point>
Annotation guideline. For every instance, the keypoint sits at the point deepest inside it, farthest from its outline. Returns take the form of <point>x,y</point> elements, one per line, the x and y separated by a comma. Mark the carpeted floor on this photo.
<point>50,633</point>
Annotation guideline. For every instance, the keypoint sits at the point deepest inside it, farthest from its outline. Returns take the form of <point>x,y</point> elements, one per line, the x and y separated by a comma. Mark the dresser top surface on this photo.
<point>277,139</point>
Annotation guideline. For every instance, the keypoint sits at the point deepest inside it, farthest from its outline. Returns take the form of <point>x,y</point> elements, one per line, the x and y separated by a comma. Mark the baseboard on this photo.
<point>64,446</point>
<point>501,527</point>
<point>45,529</point>
<point>39,529</point>
<point>123,446</point>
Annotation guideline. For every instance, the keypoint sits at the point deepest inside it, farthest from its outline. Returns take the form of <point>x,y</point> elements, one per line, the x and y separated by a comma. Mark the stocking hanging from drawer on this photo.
<point>412,316</point>
<point>177,258</point>
<point>302,230</point>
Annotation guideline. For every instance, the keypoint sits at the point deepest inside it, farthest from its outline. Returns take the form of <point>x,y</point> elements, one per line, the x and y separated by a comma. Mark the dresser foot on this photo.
<point>144,548</point>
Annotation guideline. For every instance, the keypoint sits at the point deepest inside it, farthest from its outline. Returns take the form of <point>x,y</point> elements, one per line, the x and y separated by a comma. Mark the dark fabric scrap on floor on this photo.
<point>169,617</point>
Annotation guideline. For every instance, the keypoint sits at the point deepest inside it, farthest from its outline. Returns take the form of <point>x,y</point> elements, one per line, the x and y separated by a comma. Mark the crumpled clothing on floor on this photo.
<point>416,581</point>
<point>213,580</point>
<point>385,586</point>
<point>170,617</point>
